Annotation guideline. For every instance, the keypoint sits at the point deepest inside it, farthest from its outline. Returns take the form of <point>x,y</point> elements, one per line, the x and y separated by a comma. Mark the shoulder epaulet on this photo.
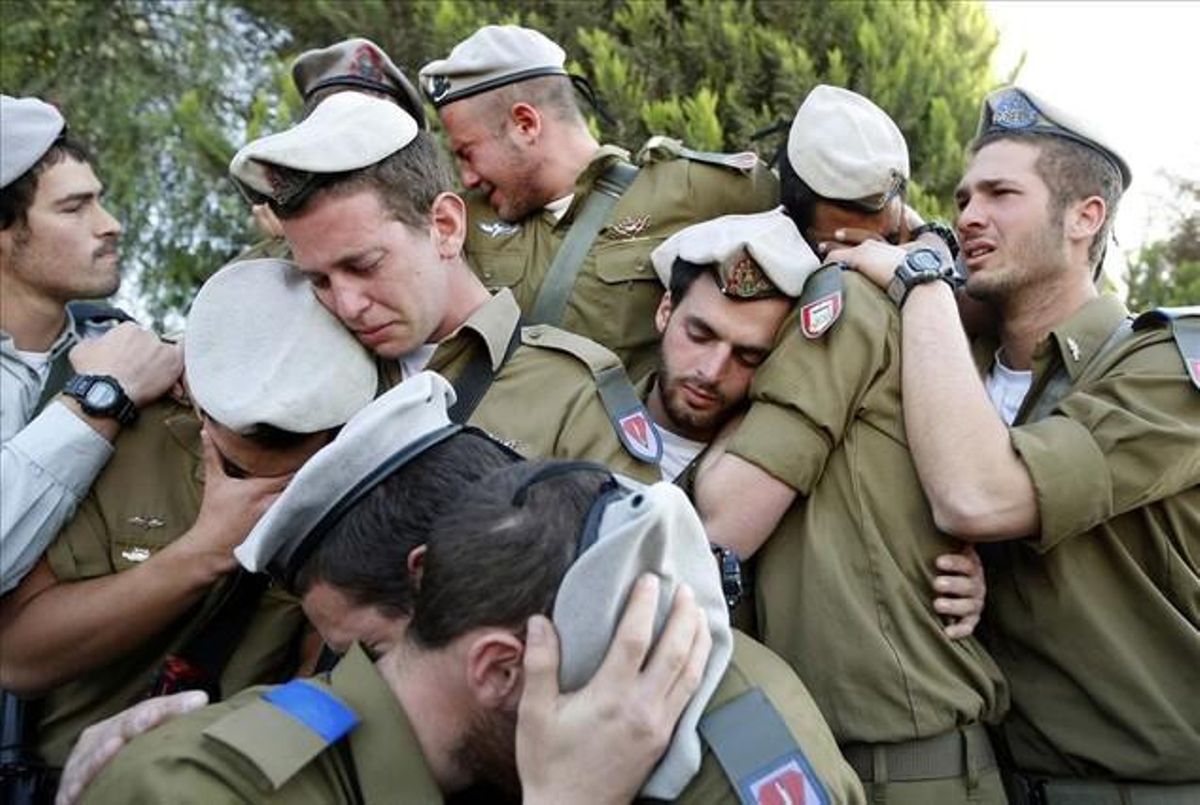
<point>820,304</point>
<point>282,731</point>
<point>1185,328</point>
<point>664,149</point>
<point>95,313</point>
<point>759,754</point>
<point>625,410</point>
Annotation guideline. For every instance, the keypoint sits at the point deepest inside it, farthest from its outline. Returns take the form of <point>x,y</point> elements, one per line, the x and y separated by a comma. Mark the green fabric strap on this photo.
<point>556,288</point>
<point>60,373</point>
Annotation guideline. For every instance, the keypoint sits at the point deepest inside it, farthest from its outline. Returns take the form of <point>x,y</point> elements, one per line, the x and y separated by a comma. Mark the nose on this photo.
<point>349,302</point>
<point>715,362</point>
<point>106,224</point>
<point>469,177</point>
<point>971,216</point>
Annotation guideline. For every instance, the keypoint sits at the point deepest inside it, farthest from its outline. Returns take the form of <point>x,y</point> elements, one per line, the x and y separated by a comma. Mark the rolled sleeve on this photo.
<point>784,443</point>
<point>47,468</point>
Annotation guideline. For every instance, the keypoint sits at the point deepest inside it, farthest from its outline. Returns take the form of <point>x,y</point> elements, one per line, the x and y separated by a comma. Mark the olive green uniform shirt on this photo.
<point>246,750</point>
<point>1096,622</point>
<point>844,584</point>
<point>616,291</point>
<point>147,496</point>
<point>543,401</point>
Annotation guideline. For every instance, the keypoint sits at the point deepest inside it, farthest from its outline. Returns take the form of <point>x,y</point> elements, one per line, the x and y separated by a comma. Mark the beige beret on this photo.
<point>492,57</point>
<point>650,529</point>
<point>351,64</point>
<point>261,350</point>
<point>372,445</point>
<point>346,131</point>
<point>28,127</point>
<point>846,148</point>
<point>754,256</point>
<point>1016,109</point>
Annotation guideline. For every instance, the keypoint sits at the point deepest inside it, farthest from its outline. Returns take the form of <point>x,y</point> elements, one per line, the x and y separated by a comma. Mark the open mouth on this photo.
<point>973,252</point>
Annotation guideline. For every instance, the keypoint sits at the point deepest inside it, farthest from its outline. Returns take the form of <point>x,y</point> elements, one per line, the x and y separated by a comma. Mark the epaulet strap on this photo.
<point>821,301</point>
<point>625,410</point>
<point>285,729</point>
<point>664,149</point>
<point>759,754</point>
<point>96,313</point>
<point>1185,328</point>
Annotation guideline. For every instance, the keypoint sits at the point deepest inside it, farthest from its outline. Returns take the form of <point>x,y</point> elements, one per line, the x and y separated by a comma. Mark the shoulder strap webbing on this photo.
<point>477,378</point>
<point>758,753</point>
<point>628,415</point>
<point>60,368</point>
<point>1185,328</point>
<point>560,277</point>
<point>1059,383</point>
<point>60,373</point>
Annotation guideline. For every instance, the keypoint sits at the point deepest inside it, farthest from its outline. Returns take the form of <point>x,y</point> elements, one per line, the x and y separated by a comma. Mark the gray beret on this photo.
<point>374,443</point>
<point>28,127</point>
<point>1016,109</point>
<point>754,256</point>
<point>261,350</point>
<point>346,131</point>
<point>356,64</point>
<point>651,529</point>
<point>846,148</point>
<point>492,57</point>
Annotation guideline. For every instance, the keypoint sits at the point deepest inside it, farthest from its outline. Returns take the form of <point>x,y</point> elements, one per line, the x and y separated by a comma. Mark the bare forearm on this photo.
<point>71,628</point>
<point>976,483</point>
<point>739,503</point>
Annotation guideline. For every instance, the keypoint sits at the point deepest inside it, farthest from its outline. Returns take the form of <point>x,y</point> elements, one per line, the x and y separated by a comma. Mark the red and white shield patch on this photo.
<point>818,316</point>
<point>640,437</point>
<point>1194,365</point>
<point>786,784</point>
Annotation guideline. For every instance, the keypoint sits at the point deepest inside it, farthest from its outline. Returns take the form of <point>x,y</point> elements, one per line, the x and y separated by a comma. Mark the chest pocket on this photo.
<point>138,539</point>
<point>616,296</point>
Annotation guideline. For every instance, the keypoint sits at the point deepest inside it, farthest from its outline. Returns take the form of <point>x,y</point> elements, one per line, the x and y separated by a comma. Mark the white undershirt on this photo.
<point>677,453</point>
<point>416,361</point>
<point>558,208</point>
<point>37,361</point>
<point>1007,389</point>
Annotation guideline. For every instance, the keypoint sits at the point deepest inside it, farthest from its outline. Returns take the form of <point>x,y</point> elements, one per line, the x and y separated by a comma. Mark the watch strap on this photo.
<point>121,409</point>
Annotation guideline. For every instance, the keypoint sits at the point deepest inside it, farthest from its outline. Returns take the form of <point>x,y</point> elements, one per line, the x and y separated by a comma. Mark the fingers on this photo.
<point>679,633</point>
<point>957,586</point>
<point>541,669</point>
<point>212,458</point>
<point>631,642</point>
<point>965,627</point>
<point>957,563</point>
<point>161,709</point>
<point>957,607</point>
<point>692,673</point>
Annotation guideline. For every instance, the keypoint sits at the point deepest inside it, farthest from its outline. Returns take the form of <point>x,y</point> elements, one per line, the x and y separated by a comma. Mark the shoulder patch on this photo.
<point>629,417</point>
<point>821,301</point>
<point>1185,328</point>
<point>283,730</point>
<point>759,754</point>
<point>663,149</point>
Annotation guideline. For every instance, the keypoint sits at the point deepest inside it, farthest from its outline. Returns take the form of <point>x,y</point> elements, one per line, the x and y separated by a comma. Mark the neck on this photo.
<point>466,295</point>
<point>33,320</point>
<point>572,151</point>
<point>1029,316</point>
<point>419,681</point>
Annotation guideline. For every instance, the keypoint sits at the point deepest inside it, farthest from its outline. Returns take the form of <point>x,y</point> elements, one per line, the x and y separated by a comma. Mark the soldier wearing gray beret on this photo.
<point>356,65</point>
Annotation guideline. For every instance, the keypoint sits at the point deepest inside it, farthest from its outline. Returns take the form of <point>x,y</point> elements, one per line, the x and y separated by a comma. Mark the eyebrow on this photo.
<point>72,198</point>
<point>350,260</point>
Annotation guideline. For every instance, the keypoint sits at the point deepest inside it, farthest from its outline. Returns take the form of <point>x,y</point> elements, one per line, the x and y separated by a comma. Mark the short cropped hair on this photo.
<point>406,182</point>
<point>553,95</point>
<point>1072,171</point>
<point>365,555</point>
<point>17,198</point>
<point>495,557</point>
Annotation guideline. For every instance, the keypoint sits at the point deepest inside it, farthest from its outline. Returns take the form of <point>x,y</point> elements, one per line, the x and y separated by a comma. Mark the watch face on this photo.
<point>101,395</point>
<point>924,260</point>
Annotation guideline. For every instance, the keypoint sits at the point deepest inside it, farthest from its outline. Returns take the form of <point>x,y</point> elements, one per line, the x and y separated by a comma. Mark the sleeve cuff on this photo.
<point>64,446</point>
<point>783,443</point>
<point>1070,477</point>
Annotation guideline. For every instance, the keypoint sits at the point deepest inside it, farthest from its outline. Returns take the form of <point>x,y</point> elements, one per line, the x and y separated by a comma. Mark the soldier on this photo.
<point>362,196</point>
<point>1078,448</point>
<point>566,535</point>
<point>565,223</point>
<point>818,475</point>
<point>142,581</point>
<point>57,244</point>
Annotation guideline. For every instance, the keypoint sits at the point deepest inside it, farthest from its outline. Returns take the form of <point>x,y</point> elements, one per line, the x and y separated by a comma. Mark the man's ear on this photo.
<point>449,217</point>
<point>495,669</point>
<point>526,122</point>
<point>1085,218</point>
<point>663,314</point>
<point>416,566</point>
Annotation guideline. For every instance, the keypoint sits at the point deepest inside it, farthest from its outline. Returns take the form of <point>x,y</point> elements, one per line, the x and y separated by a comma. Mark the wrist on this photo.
<point>206,559</point>
<point>921,266</point>
<point>105,427</point>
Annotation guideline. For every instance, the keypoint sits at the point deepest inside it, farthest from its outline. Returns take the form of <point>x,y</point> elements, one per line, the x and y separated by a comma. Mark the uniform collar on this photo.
<point>65,340</point>
<point>605,155</point>
<point>494,322</point>
<point>1077,340</point>
<point>387,755</point>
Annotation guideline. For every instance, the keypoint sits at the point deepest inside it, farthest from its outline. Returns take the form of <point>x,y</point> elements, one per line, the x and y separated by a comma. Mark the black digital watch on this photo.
<point>101,396</point>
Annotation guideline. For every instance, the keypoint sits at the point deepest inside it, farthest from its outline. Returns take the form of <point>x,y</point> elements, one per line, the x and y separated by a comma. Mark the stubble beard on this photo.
<point>487,753</point>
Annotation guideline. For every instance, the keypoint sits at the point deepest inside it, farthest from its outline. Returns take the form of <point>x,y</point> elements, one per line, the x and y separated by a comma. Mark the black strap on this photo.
<point>477,378</point>
<point>60,368</point>
<point>559,281</point>
<point>60,373</point>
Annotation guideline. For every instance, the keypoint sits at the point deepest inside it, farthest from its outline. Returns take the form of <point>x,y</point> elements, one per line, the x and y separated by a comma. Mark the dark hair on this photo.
<point>365,555</point>
<point>800,202</point>
<point>494,561</point>
<point>683,276</point>
<point>16,199</point>
<point>272,437</point>
<point>1072,171</point>
<point>406,182</point>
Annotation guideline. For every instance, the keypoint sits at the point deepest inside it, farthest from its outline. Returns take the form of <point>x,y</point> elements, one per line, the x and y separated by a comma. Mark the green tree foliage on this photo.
<point>1167,272</point>
<point>168,89</point>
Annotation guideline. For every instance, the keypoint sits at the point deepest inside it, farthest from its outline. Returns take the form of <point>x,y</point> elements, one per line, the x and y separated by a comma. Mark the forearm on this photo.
<point>70,628</point>
<point>976,484</point>
<point>743,519</point>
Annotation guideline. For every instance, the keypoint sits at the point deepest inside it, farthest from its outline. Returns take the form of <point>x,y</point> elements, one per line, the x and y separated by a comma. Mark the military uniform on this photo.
<point>123,521</point>
<point>616,292</point>
<point>843,583</point>
<point>543,401</point>
<point>1096,622</point>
